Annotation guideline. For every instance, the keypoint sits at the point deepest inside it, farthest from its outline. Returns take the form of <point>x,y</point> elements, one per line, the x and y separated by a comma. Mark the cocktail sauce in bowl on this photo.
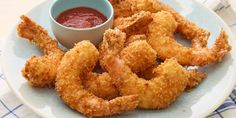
<point>81,17</point>
<point>75,20</point>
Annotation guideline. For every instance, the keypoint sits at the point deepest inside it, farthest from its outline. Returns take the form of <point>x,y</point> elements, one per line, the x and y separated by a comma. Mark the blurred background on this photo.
<point>10,11</point>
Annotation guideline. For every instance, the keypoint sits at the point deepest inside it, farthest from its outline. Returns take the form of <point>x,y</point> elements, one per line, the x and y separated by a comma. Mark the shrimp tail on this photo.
<point>222,46</point>
<point>40,71</point>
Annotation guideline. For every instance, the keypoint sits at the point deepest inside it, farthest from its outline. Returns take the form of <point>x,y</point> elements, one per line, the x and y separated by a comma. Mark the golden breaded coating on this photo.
<point>134,38</point>
<point>140,52</point>
<point>195,79</point>
<point>157,93</point>
<point>136,24</point>
<point>139,56</point>
<point>40,71</point>
<point>101,85</point>
<point>113,43</point>
<point>122,8</point>
<point>188,29</point>
<point>167,47</point>
<point>74,66</point>
<point>125,8</point>
<point>149,73</point>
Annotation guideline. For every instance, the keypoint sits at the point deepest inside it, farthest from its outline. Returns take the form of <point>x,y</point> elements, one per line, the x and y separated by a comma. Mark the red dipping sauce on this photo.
<point>81,17</point>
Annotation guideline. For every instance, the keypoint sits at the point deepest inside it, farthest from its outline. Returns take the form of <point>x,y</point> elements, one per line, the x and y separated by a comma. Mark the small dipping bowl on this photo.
<point>69,36</point>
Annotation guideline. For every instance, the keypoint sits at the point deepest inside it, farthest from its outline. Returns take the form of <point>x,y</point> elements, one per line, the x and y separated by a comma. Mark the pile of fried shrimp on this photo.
<point>144,67</point>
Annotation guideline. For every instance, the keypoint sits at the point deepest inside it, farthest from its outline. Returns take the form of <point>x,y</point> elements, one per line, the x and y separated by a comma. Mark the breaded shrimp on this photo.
<point>126,8</point>
<point>137,24</point>
<point>74,66</point>
<point>186,28</point>
<point>166,47</point>
<point>157,93</point>
<point>101,85</point>
<point>122,8</point>
<point>194,78</point>
<point>40,71</point>
<point>134,38</point>
<point>139,56</point>
<point>170,27</point>
<point>113,43</point>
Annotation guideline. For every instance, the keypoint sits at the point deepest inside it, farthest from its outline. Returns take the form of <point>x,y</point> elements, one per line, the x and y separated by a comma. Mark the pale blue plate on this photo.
<point>198,103</point>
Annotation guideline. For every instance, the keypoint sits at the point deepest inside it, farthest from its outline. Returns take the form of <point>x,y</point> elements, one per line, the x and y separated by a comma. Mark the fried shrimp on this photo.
<point>125,8</point>
<point>113,43</point>
<point>122,8</point>
<point>148,73</point>
<point>194,78</point>
<point>188,29</point>
<point>166,47</point>
<point>74,66</point>
<point>40,71</point>
<point>136,24</point>
<point>139,56</point>
<point>134,38</point>
<point>138,64</point>
<point>159,92</point>
<point>101,85</point>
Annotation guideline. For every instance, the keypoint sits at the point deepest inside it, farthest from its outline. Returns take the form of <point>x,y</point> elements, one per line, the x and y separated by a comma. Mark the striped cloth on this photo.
<point>11,107</point>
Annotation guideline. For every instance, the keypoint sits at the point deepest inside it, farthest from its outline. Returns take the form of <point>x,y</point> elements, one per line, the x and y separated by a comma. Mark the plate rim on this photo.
<point>4,47</point>
<point>31,107</point>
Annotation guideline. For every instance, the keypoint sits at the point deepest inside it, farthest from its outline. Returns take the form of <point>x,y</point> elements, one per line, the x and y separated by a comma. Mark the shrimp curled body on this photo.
<point>188,29</point>
<point>167,47</point>
<point>41,71</point>
<point>74,66</point>
<point>168,84</point>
